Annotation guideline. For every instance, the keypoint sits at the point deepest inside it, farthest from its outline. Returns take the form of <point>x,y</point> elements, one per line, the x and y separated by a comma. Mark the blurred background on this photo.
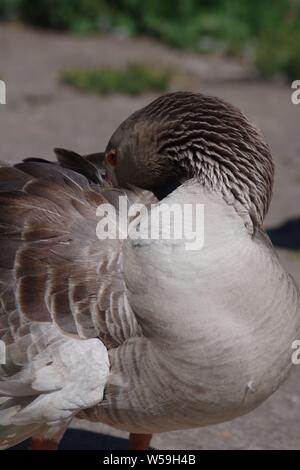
<point>74,69</point>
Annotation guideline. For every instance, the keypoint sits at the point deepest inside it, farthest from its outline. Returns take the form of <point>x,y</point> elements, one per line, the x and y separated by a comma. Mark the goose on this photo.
<point>141,333</point>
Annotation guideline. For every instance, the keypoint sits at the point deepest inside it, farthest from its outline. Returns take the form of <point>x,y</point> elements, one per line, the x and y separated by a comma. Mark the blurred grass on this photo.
<point>265,31</point>
<point>133,79</point>
<point>280,55</point>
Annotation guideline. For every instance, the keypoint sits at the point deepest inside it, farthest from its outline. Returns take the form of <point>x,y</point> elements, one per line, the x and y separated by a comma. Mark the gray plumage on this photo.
<point>180,338</point>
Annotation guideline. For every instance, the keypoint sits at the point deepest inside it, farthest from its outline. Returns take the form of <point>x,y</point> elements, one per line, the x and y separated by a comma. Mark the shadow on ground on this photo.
<point>83,440</point>
<point>286,236</point>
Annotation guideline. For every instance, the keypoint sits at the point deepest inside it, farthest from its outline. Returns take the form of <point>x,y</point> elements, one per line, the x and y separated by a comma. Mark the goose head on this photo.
<point>182,136</point>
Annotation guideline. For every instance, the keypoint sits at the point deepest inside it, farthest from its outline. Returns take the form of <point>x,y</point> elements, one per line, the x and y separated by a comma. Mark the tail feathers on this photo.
<point>10,408</point>
<point>11,434</point>
<point>12,388</point>
<point>63,376</point>
<point>14,430</point>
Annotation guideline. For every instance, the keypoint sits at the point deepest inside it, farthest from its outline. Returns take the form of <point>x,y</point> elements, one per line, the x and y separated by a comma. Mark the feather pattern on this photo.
<point>63,300</point>
<point>141,333</point>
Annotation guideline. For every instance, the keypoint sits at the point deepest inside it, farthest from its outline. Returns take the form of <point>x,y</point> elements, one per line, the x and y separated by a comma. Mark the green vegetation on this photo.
<point>134,79</point>
<point>280,55</point>
<point>266,30</point>
<point>9,8</point>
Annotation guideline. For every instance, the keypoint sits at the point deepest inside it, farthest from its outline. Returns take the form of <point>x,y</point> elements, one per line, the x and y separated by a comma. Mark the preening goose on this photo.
<point>142,333</point>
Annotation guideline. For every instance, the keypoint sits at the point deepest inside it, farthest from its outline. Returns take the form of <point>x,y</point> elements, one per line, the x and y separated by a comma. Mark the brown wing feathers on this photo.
<point>52,265</point>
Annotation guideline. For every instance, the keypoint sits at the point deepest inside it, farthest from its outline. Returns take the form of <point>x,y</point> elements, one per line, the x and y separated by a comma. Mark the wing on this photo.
<point>63,301</point>
<point>90,165</point>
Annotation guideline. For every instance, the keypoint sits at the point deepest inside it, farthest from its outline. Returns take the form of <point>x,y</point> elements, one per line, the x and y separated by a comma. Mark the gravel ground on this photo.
<point>41,113</point>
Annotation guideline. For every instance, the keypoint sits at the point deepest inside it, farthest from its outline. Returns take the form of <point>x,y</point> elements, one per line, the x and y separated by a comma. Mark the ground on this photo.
<point>41,114</point>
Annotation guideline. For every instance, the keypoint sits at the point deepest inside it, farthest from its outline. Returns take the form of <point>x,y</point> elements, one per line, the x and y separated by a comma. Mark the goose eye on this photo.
<point>111,157</point>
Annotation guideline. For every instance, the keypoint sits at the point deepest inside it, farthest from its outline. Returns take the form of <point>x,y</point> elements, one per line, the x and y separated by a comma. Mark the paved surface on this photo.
<point>41,113</point>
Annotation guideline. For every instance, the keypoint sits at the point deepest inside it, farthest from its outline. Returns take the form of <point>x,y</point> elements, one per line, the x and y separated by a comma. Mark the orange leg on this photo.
<point>43,444</point>
<point>139,441</point>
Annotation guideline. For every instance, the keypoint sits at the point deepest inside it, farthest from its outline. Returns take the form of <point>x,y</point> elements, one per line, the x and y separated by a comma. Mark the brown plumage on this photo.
<point>176,339</point>
<point>186,135</point>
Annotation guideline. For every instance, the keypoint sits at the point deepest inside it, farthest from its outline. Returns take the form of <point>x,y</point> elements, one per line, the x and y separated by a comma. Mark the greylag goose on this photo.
<point>135,332</point>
